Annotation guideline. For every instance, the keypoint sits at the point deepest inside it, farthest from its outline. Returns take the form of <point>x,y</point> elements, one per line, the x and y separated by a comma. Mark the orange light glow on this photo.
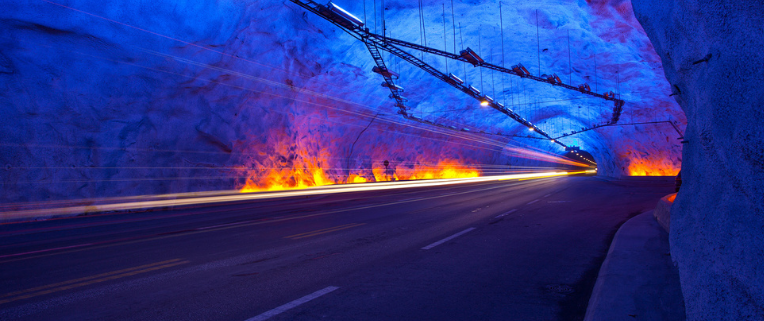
<point>279,179</point>
<point>444,169</point>
<point>357,179</point>
<point>652,167</point>
<point>304,174</point>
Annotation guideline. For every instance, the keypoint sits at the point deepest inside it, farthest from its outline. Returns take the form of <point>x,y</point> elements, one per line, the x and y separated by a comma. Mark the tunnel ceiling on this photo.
<point>99,94</point>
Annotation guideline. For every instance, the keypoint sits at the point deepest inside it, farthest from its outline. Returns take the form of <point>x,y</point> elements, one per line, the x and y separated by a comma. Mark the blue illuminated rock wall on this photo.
<point>119,97</point>
<point>712,53</point>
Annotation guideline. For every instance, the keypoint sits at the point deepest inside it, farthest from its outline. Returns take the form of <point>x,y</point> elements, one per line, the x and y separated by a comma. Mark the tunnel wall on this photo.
<point>118,97</point>
<point>712,56</point>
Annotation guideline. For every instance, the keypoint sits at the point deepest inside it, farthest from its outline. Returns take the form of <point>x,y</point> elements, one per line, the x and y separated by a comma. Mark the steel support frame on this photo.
<point>375,42</point>
<point>676,128</point>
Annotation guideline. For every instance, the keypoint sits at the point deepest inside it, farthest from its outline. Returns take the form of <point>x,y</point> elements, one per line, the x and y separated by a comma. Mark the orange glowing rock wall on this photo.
<point>306,153</point>
<point>659,163</point>
<point>652,167</point>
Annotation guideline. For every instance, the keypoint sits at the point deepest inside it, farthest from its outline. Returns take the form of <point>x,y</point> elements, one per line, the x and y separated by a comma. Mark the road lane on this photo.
<point>238,269</point>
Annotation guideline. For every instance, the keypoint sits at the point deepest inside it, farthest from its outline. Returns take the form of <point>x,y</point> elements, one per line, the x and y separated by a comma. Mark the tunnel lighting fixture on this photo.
<point>484,103</point>
<point>552,140</point>
<point>530,128</point>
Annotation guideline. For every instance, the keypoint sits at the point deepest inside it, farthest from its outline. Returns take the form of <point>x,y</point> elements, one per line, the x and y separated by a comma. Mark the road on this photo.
<point>500,250</point>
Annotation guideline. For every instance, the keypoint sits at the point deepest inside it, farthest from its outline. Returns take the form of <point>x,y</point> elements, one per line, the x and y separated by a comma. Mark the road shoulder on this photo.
<point>637,280</point>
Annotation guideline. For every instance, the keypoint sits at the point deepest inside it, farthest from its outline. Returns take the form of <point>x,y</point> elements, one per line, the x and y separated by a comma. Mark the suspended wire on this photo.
<point>493,83</point>
<point>570,64</point>
<point>480,53</point>
<point>464,67</point>
<point>503,56</point>
<point>538,42</point>
<point>445,44</point>
<point>453,24</point>
<point>375,17</point>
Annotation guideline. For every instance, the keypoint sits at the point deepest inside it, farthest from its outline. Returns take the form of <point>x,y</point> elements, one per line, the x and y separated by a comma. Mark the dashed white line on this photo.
<point>447,239</point>
<point>271,313</point>
<point>531,202</point>
<point>507,213</point>
<point>547,195</point>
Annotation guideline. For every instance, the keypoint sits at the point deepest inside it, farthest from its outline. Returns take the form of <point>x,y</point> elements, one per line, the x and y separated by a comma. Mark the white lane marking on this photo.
<point>271,313</point>
<point>447,239</point>
<point>547,195</point>
<point>507,213</point>
<point>531,202</point>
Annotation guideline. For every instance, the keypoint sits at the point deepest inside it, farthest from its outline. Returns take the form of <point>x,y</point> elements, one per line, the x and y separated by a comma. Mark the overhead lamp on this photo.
<point>484,103</point>
<point>530,128</point>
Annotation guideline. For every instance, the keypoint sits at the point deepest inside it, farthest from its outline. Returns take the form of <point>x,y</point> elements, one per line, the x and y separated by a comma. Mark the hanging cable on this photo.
<point>538,42</point>
<point>480,53</point>
<point>501,34</point>
<point>445,45</point>
<point>464,67</point>
<point>453,24</point>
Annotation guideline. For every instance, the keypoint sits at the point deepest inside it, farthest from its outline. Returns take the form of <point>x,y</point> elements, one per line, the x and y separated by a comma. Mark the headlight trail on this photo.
<point>202,198</point>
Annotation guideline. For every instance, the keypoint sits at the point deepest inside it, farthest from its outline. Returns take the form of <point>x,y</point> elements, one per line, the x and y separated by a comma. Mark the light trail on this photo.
<point>518,151</point>
<point>538,155</point>
<point>202,198</point>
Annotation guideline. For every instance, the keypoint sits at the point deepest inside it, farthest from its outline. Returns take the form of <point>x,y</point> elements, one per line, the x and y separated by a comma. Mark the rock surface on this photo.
<point>116,98</point>
<point>712,55</point>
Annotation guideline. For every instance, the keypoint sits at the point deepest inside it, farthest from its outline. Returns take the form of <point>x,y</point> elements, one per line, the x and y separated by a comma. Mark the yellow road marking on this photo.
<point>56,287</point>
<point>310,232</point>
<point>323,231</point>
<point>525,179</point>
<point>85,278</point>
<point>259,222</point>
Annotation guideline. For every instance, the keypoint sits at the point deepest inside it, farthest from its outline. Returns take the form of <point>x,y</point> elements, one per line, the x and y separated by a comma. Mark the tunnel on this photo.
<point>167,123</point>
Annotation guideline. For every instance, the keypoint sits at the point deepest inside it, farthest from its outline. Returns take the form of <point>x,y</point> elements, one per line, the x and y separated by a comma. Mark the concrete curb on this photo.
<point>637,280</point>
<point>662,211</point>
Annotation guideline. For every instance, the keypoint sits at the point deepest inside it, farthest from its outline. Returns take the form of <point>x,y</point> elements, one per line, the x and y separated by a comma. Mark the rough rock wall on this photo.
<point>122,97</point>
<point>712,55</point>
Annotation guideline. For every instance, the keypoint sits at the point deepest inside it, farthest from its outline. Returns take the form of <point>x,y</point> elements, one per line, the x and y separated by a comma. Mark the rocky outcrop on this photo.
<point>713,58</point>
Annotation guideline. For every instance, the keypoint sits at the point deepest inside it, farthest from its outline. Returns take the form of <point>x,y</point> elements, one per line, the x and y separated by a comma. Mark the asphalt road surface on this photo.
<point>502,250</point>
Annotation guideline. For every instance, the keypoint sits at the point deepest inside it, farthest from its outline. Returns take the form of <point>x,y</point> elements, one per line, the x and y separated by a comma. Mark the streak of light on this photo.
<point>225,197</point>
<point>475,138</point>
<point>184,178</point>
<point>194,45</point>
<point>470,137</point>
<point>171,38</point>
<point>460,135</point>
<point>242,167</point>
<point>366,114</point>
